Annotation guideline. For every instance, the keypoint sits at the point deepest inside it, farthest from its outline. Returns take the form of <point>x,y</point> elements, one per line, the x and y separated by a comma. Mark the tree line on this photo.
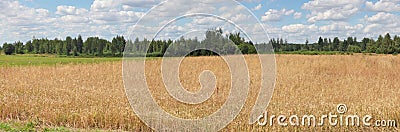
<point>383,45</point>
<point>95,46</point>
<point>214,41</point>
<point>92,46</point>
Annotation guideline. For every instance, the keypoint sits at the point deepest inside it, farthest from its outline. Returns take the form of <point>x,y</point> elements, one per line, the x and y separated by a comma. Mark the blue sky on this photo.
<point>294,20</point>
<point>51,5</point>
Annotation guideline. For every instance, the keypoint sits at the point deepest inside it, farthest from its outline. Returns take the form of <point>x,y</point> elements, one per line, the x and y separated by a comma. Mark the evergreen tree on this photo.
<point>29,47</point>
<point>75,47</point>
<point>79,44</point>
<point>68,42</point>
<point>320,44</point>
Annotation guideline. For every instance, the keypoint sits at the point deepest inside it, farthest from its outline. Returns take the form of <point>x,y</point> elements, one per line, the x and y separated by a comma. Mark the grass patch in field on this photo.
<point>20,126</point>
<point>14,126</point>
<point>315,52</point>
<point>33,60</point>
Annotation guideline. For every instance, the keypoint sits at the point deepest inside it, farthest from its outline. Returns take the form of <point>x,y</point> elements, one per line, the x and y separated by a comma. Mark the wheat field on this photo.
<point>92,96</point>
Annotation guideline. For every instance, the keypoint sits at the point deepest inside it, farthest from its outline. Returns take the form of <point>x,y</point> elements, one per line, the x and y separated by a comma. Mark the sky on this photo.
<point>294,20</point>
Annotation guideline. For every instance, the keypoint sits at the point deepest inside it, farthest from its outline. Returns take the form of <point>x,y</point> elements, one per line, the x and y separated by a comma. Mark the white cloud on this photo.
<point>18,22</point>
<point>71,14</point>
<point>258,7</point>
<point>298,33</point>
<point>369,28</point>
<point>229,10</point>
<point>104,18</point>
<point>140,3</point>
<point>297,15</point>
<point>107,18</point>
<point>74,19</point>
<point>383,18</point>
<point>341,29</point>
<point>383,5</point>
<point>118,5</point>
<point>70,10</point>
<point>331,9</point>
<point>102,5</point>
<point>276,15</point>
<point>115,17</point>
<point>382,22</point>
<point>299,28</point>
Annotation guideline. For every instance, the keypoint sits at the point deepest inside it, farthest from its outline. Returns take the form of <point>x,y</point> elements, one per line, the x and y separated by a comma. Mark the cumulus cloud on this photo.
<point>107,18</point>
<point>342,29</point>
<point>18,20</point>
<point>71,14</point>
<point>383,18</point>
<point>258,7</point>
<point>382,22</point>
<point>297,15</point>
<point>117,5</point>
<point>276,15</point>
<point>384,5</point>
<point>298,33</point>
<point>331,9</point>
<point>70,10</point>
<point>299,28</point>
